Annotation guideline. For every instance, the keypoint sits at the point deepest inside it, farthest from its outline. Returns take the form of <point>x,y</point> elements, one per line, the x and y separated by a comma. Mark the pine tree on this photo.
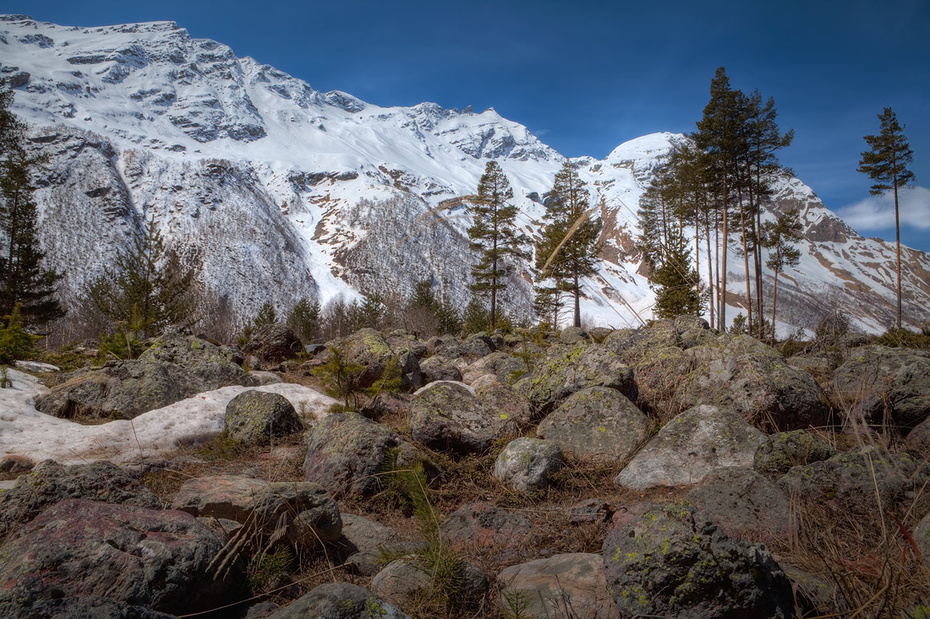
<point>886,163</point>
<point>23,279</point>
<point>567,248</point>
<point>304,319</point>
<point>149,286</point>
<point>719,136</point>
<point>778,235</point>
<point>675,282</point>
<point>494,234</point>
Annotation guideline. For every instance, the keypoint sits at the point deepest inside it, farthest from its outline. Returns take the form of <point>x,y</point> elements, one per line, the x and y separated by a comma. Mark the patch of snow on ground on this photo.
<point>26,432</point>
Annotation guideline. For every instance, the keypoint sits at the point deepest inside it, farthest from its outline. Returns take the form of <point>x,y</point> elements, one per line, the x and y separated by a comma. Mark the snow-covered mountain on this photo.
<point>279,191</point>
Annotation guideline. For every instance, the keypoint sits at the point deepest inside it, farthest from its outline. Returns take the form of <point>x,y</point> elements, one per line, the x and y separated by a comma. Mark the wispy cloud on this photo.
<point>877,212</point>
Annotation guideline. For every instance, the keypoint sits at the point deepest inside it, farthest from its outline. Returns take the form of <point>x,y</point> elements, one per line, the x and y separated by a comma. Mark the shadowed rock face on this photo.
<point>672,562</point>
<point>153,558</point>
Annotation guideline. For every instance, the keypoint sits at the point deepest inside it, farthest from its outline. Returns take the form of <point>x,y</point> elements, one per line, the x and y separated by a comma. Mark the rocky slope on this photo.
<point>279,191</point>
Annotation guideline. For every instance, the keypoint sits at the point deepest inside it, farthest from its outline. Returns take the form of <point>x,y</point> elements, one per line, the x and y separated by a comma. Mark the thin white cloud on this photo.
<point>877,212</point>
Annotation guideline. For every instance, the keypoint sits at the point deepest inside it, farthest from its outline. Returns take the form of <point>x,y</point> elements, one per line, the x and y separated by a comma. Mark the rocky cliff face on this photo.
<point>278,191</point>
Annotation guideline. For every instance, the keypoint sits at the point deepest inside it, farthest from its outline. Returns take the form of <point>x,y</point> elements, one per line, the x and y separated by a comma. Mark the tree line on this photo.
<point>711,190</point>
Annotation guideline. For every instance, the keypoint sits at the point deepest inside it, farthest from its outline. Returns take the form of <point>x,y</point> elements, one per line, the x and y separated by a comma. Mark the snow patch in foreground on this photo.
<point>26,432</point>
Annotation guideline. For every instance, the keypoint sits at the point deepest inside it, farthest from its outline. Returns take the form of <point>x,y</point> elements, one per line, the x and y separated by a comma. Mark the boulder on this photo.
<point>696,442</point>
<point>50,482</point>
<point>672,562</point>
<point>484,525</point>
<point>877,381</point>
<point>855,481</point>
<point>568,369</point>
<point>439,368</point>
<point>405,581</point>
<point>598,424</point>
<point>744,504</point>
<point>173,368</point>
<point>448,416</point>
<point>507,403</point>
<point>256,417</point>
<point>784,450</point>
<point>81,607</point>
<point>301,513</point>
<point>364,541</point>
<point>566,585</point>
<point>139,556</point>
<point>369,348</point>
<point>504,367</point>
<point>339,600</point>
<point>273,343</point>
<point>526,464</point>
<point>345,453</point>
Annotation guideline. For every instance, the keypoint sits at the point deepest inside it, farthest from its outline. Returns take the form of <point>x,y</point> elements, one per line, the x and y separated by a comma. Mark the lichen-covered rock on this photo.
<point>405,581</point>
<point>568,369</point>
<point>50,482</point>
<point>755,381</point>
<point>526,464</point>
<point>597,424</point>
<point>140,556</point>
<point>439,368</point>
<point>256,417</point>
<point>301,513</point>
<point>566,585</point>
<point>507,403</point>
<point>877,379</point>
<point>369,348</point>
<point>448,416</point>
<point>672,562</point>
<point>363,541</point>
<point>504,367</point>
<point>81,607</point>
<point>690,446</point>
<point>339,600</point>
<point>744,504</point>
<point>173,368</point>
<point>784,450</point>
<point>345,453</point>
<point>854,481</point>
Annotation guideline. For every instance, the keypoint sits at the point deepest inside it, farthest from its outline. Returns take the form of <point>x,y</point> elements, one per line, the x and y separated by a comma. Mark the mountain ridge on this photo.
<point>280,191</point>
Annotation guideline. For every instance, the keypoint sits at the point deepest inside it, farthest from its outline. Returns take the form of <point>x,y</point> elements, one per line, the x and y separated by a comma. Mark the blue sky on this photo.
<point>586,76</point>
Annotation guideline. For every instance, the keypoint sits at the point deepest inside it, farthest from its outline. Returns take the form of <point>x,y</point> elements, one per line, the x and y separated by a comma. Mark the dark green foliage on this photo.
<point>476,317</point>
<point>494,235</point>
<point>547,305</point>
<point>886,163</point>
<point>23,279</point>
<point>341,376</point>
<point>266,316</point>
<point>905,338</point>
<point>428,315</point>
<point>149,288</point>
<point>567,248</point>
<point>304,320</point>
<point>778,236</point>
<point>675,281</point>
<point>15,341</point>
<point>370,312</point>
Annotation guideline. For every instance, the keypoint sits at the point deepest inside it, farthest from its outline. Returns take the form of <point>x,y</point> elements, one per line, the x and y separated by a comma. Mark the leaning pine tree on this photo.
<point>567,248</point>
<point>886,164</point>
<point>494,235</point>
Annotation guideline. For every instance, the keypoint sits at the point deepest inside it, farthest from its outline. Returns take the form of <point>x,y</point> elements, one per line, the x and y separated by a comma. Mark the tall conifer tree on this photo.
<point>886,163</point>
<point>24,280</point>
<point>567,250</point>
<point>494,234</point>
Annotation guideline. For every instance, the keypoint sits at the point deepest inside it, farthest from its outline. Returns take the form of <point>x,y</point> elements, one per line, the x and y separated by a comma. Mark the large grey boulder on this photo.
<point>448,416</point>
<point>273,343</point>
<point>783,450</point>
<point>877,380</point>
<point>365,541</point>
<point>566,585</point>
<point>173,368</point>
<point>258,417</point>
<point>299,513</point>
<point>672,562</point>
<point>689,447</point>
<point>744,504</point>
<point>140,556</point>
<point>346,452</point>
<point>526,464</point>
<point>597,424</point>
<point>50,482</point>
<point>568,369</point>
